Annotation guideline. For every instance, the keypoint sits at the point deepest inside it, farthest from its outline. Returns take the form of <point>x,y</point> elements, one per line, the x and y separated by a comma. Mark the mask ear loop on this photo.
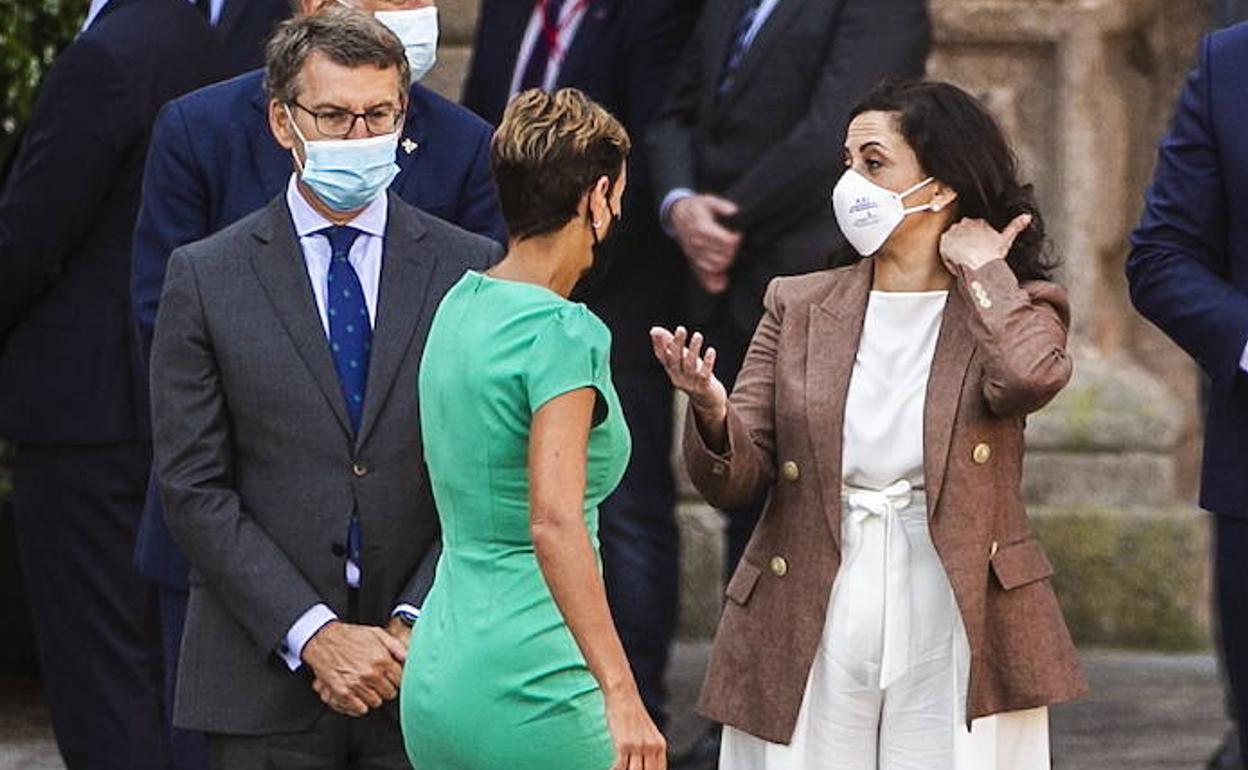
<point>295,127</point>
<point>916,209</point>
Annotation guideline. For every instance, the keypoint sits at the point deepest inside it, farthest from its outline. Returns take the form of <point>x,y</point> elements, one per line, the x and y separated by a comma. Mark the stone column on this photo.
<point>1079,86</point>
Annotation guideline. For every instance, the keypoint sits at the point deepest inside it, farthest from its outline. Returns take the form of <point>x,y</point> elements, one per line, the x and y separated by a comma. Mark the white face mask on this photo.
<point>418,30</point>
<point>867,213</point>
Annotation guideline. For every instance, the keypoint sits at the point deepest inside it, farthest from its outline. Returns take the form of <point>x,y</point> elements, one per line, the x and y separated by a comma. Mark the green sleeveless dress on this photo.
<point>494,678</point>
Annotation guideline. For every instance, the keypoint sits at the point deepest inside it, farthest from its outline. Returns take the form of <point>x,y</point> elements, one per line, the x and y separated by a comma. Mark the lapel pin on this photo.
<point>409,146</point>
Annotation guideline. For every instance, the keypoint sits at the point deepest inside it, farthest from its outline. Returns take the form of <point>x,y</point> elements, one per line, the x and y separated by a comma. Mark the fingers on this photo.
<point>721,207</point>
<point>1015,229</point>
<point>396,648</point>
<point>343,702</point>
<point>708,366</point>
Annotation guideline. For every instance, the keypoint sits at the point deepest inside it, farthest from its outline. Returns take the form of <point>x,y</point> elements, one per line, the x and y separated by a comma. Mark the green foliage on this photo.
<point>32,33</point>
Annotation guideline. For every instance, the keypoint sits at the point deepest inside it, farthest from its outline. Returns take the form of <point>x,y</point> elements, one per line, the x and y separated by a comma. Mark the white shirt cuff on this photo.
<point>669,200</point>
<point>1243,360</point>
<point>304,629</point>
<point>405,607</point>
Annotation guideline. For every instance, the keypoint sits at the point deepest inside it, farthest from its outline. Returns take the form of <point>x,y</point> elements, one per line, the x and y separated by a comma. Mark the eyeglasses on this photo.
<point>338,124</point>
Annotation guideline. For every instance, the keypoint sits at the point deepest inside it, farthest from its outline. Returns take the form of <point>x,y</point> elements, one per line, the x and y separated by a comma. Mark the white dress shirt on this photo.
<point>570,17</point>
<point>96,6</point>
<point>760,18</point>
<point>365,257</point>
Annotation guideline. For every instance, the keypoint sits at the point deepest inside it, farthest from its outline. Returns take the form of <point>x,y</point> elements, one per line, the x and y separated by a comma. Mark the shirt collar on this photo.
<point>372,220</point>
<point>93,11</point>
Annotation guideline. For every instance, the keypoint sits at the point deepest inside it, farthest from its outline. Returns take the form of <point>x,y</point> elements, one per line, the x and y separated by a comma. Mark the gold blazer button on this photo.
<point>981,453</point>
<point>779,567</point>
<point>790,471</point>
<point>719,469</point>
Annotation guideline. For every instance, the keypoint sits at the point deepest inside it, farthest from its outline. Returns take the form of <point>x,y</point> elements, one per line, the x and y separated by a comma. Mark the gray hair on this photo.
<point>345,36</point>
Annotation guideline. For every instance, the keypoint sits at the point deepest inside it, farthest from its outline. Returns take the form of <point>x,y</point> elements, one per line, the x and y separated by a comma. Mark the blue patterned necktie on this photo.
<point>350,333</point>
<point>739,46</point>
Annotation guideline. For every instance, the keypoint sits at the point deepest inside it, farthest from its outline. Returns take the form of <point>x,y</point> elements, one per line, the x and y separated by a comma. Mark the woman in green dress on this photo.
<point>515,663</point>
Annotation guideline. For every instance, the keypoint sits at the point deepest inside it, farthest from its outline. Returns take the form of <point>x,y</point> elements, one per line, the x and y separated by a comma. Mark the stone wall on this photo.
<point>1085,89</point>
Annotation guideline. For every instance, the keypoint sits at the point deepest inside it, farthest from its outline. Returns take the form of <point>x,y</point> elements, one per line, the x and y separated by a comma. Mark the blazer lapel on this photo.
<point>950,362</point>
<point>273,165</point>
<point>411,144</point>
<point>405,281</point>
<point>715,52</point>
<point>773,29</point>
<point>280,267</point>
<point>594,23</point>
<point>831,347</point>
<point>231,11</point>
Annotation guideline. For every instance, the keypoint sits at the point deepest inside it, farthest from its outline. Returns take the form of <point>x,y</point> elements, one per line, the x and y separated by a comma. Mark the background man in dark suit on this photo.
<point>72,394</point>
<point>621,53</point>
<point>287,440</point>
<point>1188,273</point>
<point>214,160</point>
<point>244,26</point>
<point>747,147</point>
<point>1227,12</point>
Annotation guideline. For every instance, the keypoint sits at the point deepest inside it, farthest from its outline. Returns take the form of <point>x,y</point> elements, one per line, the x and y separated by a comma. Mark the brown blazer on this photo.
<point>1001,354</point>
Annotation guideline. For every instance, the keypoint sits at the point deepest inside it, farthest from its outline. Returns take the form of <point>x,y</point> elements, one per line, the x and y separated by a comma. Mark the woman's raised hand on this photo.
<point>974,242</point>
<point>690,370</point>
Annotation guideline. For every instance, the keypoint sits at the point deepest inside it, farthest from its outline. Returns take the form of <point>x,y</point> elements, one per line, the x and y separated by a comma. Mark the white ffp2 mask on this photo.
<point>867,213</point>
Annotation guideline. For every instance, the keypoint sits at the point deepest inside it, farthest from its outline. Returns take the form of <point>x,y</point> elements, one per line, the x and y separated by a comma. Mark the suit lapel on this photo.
<point>279,265</point>
<point>719,38</point>
<point>230,14</point>
<point>773,29</point>
<point>272,164</point>
<point>588,35</point>
<point>950,362</point>
<point>831,347</point>
<point>406,269</point>
<point>411,144</point>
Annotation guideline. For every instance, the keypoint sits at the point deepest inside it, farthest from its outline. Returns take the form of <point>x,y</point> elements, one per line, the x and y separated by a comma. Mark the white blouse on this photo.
<point>883,431</point>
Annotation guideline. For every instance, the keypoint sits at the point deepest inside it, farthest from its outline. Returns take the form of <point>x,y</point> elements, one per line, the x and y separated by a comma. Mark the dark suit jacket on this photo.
<point>69,361</point>
<point>258,467</point>
<point>622,56</point>
<point>213,160</point>
<point>1188,268</point>
<point>1228,12</point>
<point>244,29</point>
<point>773,143</point>
<point>997,359</point>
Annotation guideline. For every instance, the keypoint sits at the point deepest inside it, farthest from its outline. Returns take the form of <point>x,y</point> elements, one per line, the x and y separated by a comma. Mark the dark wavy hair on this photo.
<point>958,142</point>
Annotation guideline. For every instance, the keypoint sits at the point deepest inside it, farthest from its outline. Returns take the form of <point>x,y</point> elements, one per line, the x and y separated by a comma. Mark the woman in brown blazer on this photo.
<point>893,609</point>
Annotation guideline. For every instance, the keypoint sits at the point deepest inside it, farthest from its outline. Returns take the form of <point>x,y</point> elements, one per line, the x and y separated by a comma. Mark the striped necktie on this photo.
<point>740,44</point>
<point>539,59</point>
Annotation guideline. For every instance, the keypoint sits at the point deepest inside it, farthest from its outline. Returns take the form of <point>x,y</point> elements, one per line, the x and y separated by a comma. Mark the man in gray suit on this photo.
<point>287,437</point>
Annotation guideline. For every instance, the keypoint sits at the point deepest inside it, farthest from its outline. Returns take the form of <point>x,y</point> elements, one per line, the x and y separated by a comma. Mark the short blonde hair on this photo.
<point>549,150</point>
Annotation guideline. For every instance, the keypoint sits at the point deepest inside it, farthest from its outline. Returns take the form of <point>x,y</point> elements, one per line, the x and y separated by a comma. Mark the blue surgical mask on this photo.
<point>347,174</point>
<point>418,30</point>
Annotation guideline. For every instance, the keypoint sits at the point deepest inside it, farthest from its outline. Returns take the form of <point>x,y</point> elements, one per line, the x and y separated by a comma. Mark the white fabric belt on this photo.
<point>871,630</point>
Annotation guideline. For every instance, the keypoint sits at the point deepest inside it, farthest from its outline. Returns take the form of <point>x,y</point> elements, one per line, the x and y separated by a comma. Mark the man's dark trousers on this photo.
<point>77,509</point>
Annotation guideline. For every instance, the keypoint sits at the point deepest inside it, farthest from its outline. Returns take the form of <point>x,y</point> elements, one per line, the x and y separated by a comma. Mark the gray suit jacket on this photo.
<point>258,469</point>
